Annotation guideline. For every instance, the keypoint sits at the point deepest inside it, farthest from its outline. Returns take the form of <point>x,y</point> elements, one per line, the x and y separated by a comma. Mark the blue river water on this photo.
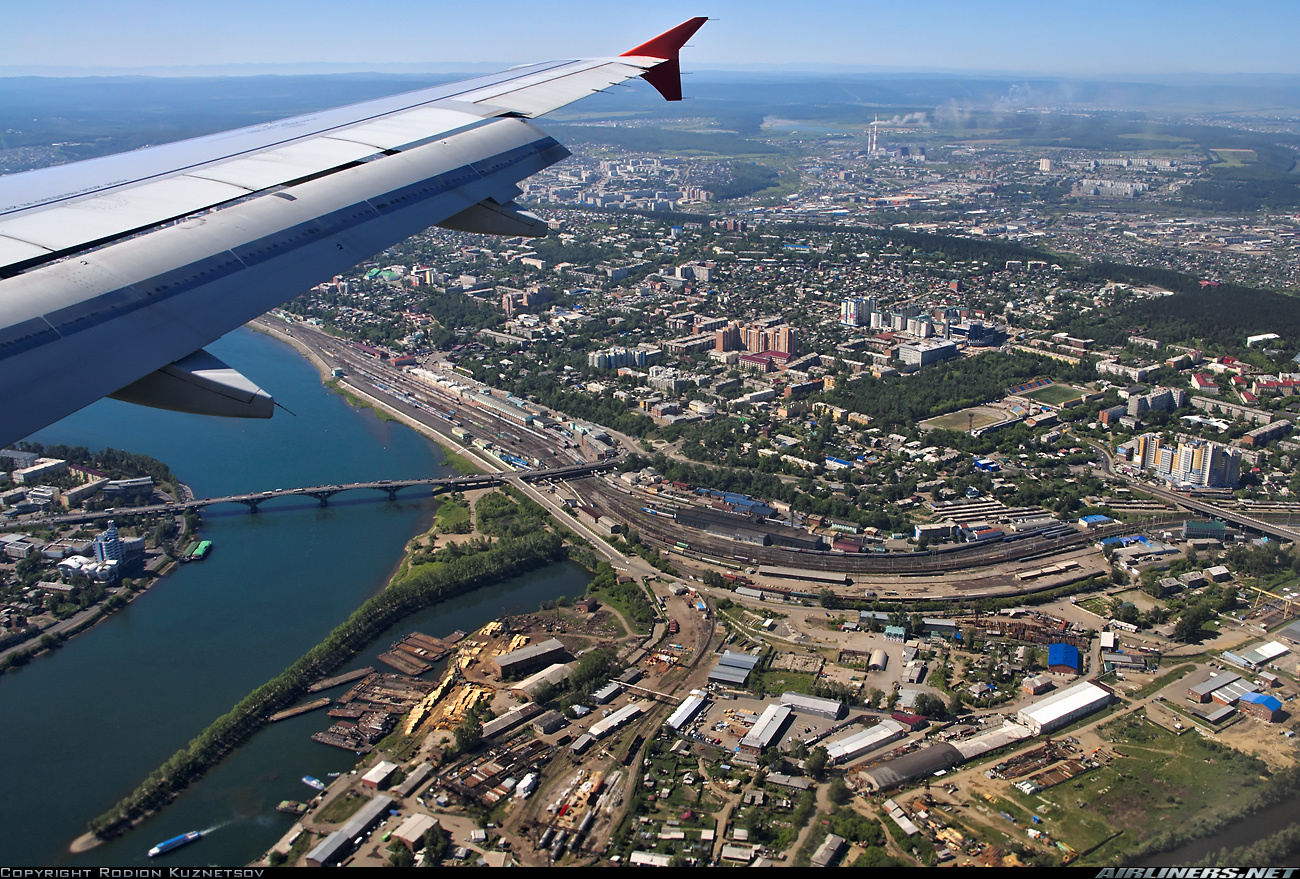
<point>83,726</point>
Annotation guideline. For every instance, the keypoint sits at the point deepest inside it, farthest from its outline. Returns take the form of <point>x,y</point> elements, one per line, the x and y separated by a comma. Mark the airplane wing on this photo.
<point>116,272</point>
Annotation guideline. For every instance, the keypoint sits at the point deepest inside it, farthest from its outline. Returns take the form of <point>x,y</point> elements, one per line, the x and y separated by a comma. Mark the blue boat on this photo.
<point>313,782</point>
<point>175,842</point>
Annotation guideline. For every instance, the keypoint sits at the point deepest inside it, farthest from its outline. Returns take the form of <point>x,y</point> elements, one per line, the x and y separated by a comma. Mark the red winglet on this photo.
<point>669,43</point>
<point>667,77</point>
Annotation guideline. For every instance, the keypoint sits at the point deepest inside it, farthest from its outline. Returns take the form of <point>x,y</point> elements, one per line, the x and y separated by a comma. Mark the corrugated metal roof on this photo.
<point>768,726</point>
<point>738,660</point>
<point>868,739</point>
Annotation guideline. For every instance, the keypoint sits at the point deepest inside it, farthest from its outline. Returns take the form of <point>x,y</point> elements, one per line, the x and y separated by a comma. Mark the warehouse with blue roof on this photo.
<point>1063,658</point>
<point>1261,705</point>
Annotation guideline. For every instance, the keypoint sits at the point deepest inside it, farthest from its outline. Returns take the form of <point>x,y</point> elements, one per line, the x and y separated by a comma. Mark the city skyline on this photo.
<point>1110,40</point>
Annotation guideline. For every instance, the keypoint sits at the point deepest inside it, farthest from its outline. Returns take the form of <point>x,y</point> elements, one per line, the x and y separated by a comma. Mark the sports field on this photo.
<point>1054,395</point>
<point>967,419</point>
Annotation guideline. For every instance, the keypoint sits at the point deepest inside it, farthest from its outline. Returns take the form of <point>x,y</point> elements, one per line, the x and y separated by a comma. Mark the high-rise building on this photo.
<point>108,546</point>
<point>763,336</point>
<point>856,312</point>
<point>1189,462</point>
<point>727,338</point>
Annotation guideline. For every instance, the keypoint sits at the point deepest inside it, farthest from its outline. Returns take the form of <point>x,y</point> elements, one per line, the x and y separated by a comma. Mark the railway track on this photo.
<point>665,531</point>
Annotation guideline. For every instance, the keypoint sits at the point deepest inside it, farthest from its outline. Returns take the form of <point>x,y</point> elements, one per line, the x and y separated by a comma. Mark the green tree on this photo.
<point>399,855</point>
<point>817,762</point>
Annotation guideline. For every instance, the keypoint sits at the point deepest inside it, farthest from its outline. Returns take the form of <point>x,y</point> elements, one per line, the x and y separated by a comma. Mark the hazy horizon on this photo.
<point>1106,39</point>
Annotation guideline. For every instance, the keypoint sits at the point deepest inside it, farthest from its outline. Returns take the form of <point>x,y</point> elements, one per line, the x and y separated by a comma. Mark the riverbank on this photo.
<point>115,598</point>
<point>502,559</point>
<point>462,463</point>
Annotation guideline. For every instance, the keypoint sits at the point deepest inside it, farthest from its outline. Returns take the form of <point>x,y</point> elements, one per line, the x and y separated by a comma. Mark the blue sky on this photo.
<point>1101,37</point>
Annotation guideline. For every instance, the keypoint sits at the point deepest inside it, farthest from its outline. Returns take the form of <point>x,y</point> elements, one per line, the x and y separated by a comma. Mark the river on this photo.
<point>83,726</point>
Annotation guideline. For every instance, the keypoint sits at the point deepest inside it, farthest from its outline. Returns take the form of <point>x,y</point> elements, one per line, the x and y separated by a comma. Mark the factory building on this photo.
<point>766,730</point>
<point>748,529</point>
<point>511,719</point>
<point>379,775</point>
<point>733,669</point>
<point>909,767</point>
<point>338,844</point>
<point>1063,659</point>
<point>607,693</point>
<point>848,749</point>
<point>1260,705</point>
<point>1064,707</point>
<point>411,833</point>
<point>624,715</point>
<point>686,711</point>
<point>526,659</point>
<point>551,676</point>
<point>829,708</point>
<point>549,722</point>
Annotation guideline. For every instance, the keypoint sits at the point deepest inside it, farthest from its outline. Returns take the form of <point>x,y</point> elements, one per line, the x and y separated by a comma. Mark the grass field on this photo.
<point>1054,395</point>
<point>1160,785</point>
<point>1234,158</point>
<point>983,417</point>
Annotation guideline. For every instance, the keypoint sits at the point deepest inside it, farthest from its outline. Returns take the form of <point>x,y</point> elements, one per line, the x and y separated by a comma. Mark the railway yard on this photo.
<point>791,705</point>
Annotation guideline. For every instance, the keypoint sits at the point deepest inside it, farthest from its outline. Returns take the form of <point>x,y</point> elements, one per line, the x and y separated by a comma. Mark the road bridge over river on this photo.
<point>323,493</point>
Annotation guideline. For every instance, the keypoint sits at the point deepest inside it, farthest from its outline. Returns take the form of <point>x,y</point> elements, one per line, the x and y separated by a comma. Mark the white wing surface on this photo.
<point>115,271</point>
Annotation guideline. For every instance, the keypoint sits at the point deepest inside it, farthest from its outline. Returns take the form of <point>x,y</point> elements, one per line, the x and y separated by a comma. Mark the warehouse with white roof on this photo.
<point>766,730</point>
<point>1065,707</point>
<point>829,708</point>
<point>604,727</point>
<point>687,710</point>
<point>852,747</point>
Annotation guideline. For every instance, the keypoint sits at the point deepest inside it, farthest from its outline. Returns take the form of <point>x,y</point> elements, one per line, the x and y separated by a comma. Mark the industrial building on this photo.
<point>686,711</point>
<point>1260,705</point>
<point>414,781</point>
<point>766,730</point>
<point>338,844</point>
<point>1202,692</point>
<point>733,669</point>
<point>1064,707</point>
<point>525,659</point>
<point>1063,658</point>
<point>607,693</point>
<point>551,676</point>
<point>518,414</point>
<point>1261,655</point>
<point>909,767</point>
<point>379,775</point>
<point>829,708</point>
<point>413,829</point>
<point>626,714</point>
<point>511,719</point>
<point>848,749</point>
<point>549,722</point>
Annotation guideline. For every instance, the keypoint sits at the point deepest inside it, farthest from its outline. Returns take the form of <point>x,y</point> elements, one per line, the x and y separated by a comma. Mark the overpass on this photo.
<point>1232,516</point>
<point>1106,462</point>
<point>323,493</point>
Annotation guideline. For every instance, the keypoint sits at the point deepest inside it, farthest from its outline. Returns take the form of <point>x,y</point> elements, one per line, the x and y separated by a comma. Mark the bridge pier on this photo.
<point>392,493</point>
<point>251,504</point>
<point>323,496</point>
